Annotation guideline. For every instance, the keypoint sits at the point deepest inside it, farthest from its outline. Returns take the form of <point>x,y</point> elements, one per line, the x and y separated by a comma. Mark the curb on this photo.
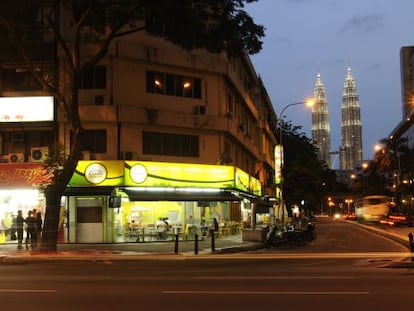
<point>405,263</point>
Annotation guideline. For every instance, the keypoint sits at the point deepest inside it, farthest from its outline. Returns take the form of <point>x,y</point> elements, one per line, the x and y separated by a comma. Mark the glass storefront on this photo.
<point>13,200</point>
<point>149,221</point>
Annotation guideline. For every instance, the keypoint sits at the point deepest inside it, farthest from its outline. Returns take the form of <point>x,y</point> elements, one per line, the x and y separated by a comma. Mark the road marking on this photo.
<point>27,290</point>
<point>276,277</point>
<point>277,256</point>
<point>205,292</point>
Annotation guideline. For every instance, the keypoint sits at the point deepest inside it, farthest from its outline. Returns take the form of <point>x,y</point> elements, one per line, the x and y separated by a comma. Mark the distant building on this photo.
<point>407,81</point>
<point>350,152</point>
<point>321,132</point>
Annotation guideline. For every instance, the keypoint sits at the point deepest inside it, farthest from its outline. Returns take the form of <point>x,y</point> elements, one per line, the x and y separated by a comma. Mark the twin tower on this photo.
<point>350,151</point>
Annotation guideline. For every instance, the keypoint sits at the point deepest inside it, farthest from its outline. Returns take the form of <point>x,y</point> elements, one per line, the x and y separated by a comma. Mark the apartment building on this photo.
<point>191,117</point>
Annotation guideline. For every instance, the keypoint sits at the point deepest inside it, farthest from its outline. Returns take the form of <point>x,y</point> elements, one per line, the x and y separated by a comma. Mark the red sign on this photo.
<point>23,175</point>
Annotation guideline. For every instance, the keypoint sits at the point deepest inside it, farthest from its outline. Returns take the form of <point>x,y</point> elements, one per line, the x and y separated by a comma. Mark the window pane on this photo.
<point>197,88</point>
<point>170,144</point>
<point>178,86</point>
<point>169,81</point>
<point>100,77</point>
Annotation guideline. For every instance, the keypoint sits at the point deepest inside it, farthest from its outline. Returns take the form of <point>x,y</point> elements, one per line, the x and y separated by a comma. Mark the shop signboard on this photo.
<point>98,173</point>
<point>165,174</point>
<point>23,175</point>
<point>26,109</point>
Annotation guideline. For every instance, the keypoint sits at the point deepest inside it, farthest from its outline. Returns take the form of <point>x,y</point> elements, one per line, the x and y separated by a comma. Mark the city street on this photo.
<point>345,268</point>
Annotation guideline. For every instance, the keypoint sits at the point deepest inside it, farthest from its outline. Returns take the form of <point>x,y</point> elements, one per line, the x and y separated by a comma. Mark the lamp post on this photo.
<point>279,156</point>
<point>348,202</point>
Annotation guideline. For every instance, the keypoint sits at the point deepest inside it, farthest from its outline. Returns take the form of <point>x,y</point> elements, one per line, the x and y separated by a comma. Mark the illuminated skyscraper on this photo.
<point>321,132</point>
<point>350,152</point>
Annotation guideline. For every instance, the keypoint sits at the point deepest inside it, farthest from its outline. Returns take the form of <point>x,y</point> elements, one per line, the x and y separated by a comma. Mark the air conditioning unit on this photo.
<point>16,157</point>
<point>39,154</point>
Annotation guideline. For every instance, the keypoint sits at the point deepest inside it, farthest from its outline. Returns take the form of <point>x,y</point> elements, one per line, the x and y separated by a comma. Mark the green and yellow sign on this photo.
<point>163,174</point>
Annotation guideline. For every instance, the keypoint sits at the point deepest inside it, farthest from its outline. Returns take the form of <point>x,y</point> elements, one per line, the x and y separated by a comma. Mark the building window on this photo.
<point>19,79</point>
<point>174,85</point>
<point>94,78</point>
<point>170,144</point>
<point>93,141</point>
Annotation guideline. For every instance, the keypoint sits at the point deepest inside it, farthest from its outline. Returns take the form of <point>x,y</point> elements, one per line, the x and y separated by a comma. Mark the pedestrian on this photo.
<point>31,237</point>
<point>216,224</point>
<point>19,228</point>
<point>39,224</point>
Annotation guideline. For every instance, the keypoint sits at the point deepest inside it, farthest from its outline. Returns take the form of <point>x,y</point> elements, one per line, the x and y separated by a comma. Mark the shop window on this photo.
<point>89,214</point>
<point>170,144</point>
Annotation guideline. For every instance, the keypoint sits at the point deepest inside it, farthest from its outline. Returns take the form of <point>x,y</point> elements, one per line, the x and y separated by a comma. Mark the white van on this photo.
<point>372,207</point>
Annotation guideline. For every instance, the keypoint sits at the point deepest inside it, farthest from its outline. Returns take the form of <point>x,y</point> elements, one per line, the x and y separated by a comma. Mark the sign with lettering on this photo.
<point>26,109</point>
<point>23,175</point>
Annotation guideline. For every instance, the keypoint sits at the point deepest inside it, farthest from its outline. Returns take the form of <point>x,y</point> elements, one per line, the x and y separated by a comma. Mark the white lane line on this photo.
<point>202,292</point>
<point>11,290</point>
<point>275,277</point>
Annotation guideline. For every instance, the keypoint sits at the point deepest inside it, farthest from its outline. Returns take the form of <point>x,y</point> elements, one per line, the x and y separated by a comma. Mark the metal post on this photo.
<point>411,243</point>
<point>196,244</point>
<point>176,244</point>
<point>213,246</point>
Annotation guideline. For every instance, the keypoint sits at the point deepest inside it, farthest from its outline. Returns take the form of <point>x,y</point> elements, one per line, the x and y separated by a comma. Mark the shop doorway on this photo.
<point>89,219</point>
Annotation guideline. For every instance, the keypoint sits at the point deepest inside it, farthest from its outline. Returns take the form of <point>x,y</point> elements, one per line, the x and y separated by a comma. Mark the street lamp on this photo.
<point>279,156</point>
<point>348,202</point>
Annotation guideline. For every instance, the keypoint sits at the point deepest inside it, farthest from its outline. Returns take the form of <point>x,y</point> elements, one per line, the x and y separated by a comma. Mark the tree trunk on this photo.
<point>51,222</point>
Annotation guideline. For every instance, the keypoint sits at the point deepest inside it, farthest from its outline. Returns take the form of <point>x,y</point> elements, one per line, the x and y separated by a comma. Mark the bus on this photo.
<point>372,207</point>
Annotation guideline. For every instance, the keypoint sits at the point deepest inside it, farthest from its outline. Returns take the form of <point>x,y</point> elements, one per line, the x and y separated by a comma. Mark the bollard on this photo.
<point>411,243</point>
<point>213,246</point>
<point>196,244</point>
<point>176,244</point>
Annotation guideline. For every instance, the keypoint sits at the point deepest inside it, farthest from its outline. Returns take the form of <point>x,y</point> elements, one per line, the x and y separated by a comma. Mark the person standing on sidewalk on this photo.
<point>19,229</point>
<point>31,236</point>
<point>39,224</point>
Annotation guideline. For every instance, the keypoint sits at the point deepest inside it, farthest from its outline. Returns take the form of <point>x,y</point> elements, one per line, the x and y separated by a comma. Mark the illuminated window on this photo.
<point>175,85</point>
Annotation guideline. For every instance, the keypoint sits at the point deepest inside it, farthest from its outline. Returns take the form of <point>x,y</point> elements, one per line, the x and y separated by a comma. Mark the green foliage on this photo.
<point>306,178</point>
<point>217,25</point>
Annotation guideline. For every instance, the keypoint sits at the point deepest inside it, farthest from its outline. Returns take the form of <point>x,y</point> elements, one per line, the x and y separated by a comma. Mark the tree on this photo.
<point>214,25</point>
<point>306,177</point>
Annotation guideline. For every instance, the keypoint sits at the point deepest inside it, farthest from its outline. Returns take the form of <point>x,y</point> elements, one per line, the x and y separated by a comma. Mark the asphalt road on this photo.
<point>345,268</point>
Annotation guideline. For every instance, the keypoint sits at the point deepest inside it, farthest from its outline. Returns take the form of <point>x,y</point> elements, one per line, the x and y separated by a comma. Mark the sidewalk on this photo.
<point>129,251</point>
<point>151,250</point>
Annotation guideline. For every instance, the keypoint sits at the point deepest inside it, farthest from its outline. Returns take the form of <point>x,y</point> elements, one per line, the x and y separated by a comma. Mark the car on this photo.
<point>350,216</point>
<point>337,216</point>
<point>397,220</point>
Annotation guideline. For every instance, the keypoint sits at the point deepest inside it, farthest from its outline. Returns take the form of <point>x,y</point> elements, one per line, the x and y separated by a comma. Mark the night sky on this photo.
<point>307,36</point>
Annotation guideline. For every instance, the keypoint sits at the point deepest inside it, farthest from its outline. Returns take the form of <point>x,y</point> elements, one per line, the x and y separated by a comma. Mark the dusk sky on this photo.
<point>307,36</point>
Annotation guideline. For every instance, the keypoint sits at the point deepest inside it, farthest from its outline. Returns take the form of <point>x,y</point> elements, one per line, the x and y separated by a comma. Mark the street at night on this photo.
<point>345,268</point>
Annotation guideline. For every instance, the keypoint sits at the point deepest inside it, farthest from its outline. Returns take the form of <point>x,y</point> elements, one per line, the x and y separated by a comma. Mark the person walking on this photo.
<point>39,224</point>
<point>19,229</point>
<point>31,238</point>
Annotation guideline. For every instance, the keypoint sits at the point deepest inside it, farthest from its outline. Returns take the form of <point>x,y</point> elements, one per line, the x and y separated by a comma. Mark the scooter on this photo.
<point>275,235</point>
